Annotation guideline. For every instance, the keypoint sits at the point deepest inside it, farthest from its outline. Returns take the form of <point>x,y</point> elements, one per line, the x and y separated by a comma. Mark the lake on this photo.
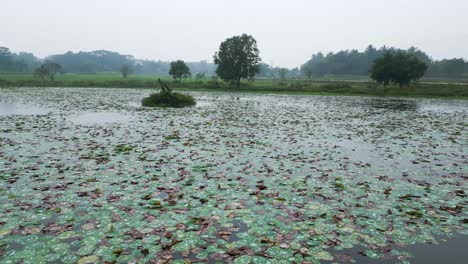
<point>87,175</point>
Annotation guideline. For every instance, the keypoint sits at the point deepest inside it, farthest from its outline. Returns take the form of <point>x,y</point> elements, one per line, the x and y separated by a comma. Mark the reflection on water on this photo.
<point>8,109</point>
<point>99,118</point>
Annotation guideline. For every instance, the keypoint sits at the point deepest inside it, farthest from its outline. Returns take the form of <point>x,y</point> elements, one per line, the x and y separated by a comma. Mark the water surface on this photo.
<point>241,177</point>
<point>10,109</point>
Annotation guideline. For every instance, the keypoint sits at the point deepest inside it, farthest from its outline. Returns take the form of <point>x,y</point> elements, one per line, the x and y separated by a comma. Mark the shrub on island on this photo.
<point>167,98</point>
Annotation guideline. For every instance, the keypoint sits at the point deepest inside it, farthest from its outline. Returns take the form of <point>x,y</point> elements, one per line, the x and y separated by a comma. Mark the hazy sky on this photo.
<point>288,31</point>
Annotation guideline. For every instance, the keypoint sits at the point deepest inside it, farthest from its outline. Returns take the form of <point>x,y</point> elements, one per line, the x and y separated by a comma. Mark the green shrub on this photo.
<point>168,99</point>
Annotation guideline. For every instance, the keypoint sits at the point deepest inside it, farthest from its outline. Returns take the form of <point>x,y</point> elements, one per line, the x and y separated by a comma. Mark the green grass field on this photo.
<point>101,77</point>
<point>357,85</point>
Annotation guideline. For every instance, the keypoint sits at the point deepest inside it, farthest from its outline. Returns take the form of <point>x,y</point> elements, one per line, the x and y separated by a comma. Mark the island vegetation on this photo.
<point>167,98</point>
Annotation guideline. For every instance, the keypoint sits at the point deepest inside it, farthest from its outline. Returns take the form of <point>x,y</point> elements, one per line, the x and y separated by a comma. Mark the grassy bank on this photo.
<point>314,86</point>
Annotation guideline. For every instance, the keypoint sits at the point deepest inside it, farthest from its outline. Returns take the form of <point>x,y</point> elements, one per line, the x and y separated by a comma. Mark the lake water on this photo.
<point>88,174</point>
<point>9,109</point>
<point>99,118</point>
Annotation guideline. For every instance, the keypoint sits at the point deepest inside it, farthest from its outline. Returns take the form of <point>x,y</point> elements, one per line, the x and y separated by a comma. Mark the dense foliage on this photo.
<point>268,71</point>
<point>452,68</point>
<point>342,63</point>
<point>21,62</point>
<point>95,61</point>
<point>237,58</point>
<point>354,62</point>
<point>179,70</point>
<point>397,67</point>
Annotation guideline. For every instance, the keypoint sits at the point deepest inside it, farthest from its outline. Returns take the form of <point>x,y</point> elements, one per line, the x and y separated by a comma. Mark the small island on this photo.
<point>167,98</point>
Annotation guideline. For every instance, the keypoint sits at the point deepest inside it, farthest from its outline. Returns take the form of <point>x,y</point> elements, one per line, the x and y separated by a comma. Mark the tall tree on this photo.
<point>237,58</point>
<point>398,67</point>
<point>179,70</point>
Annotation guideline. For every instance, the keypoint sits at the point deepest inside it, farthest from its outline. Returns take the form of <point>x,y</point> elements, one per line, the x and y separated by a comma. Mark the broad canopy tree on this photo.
<point>49,69</point>
<point>179,70</point>
<point>397,67</point>
<point>238,58</point>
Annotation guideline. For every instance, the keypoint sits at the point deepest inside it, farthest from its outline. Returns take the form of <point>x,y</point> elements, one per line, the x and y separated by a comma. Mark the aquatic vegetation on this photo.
<point>257,179</point>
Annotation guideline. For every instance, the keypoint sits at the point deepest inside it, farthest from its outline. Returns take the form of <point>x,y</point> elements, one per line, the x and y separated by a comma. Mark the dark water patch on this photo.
<point>14,246</point>
<point>452,250</point>
<point>238,227</point>
<point>447,250</point>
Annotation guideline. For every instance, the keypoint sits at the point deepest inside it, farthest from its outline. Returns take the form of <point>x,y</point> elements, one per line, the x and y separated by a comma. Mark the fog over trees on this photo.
<point>343,63</point>
<point>354,62</point>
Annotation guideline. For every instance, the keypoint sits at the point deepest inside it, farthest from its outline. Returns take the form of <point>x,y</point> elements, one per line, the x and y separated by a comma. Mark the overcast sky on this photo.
<point>288,31</point>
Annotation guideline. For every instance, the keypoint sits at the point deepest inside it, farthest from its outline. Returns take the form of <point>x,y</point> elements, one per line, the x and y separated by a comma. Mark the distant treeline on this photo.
<point>93,62</point>
<point>17,62</point>
<point>354,62</point>
<point>108,61</point>
<point>348,62</point>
